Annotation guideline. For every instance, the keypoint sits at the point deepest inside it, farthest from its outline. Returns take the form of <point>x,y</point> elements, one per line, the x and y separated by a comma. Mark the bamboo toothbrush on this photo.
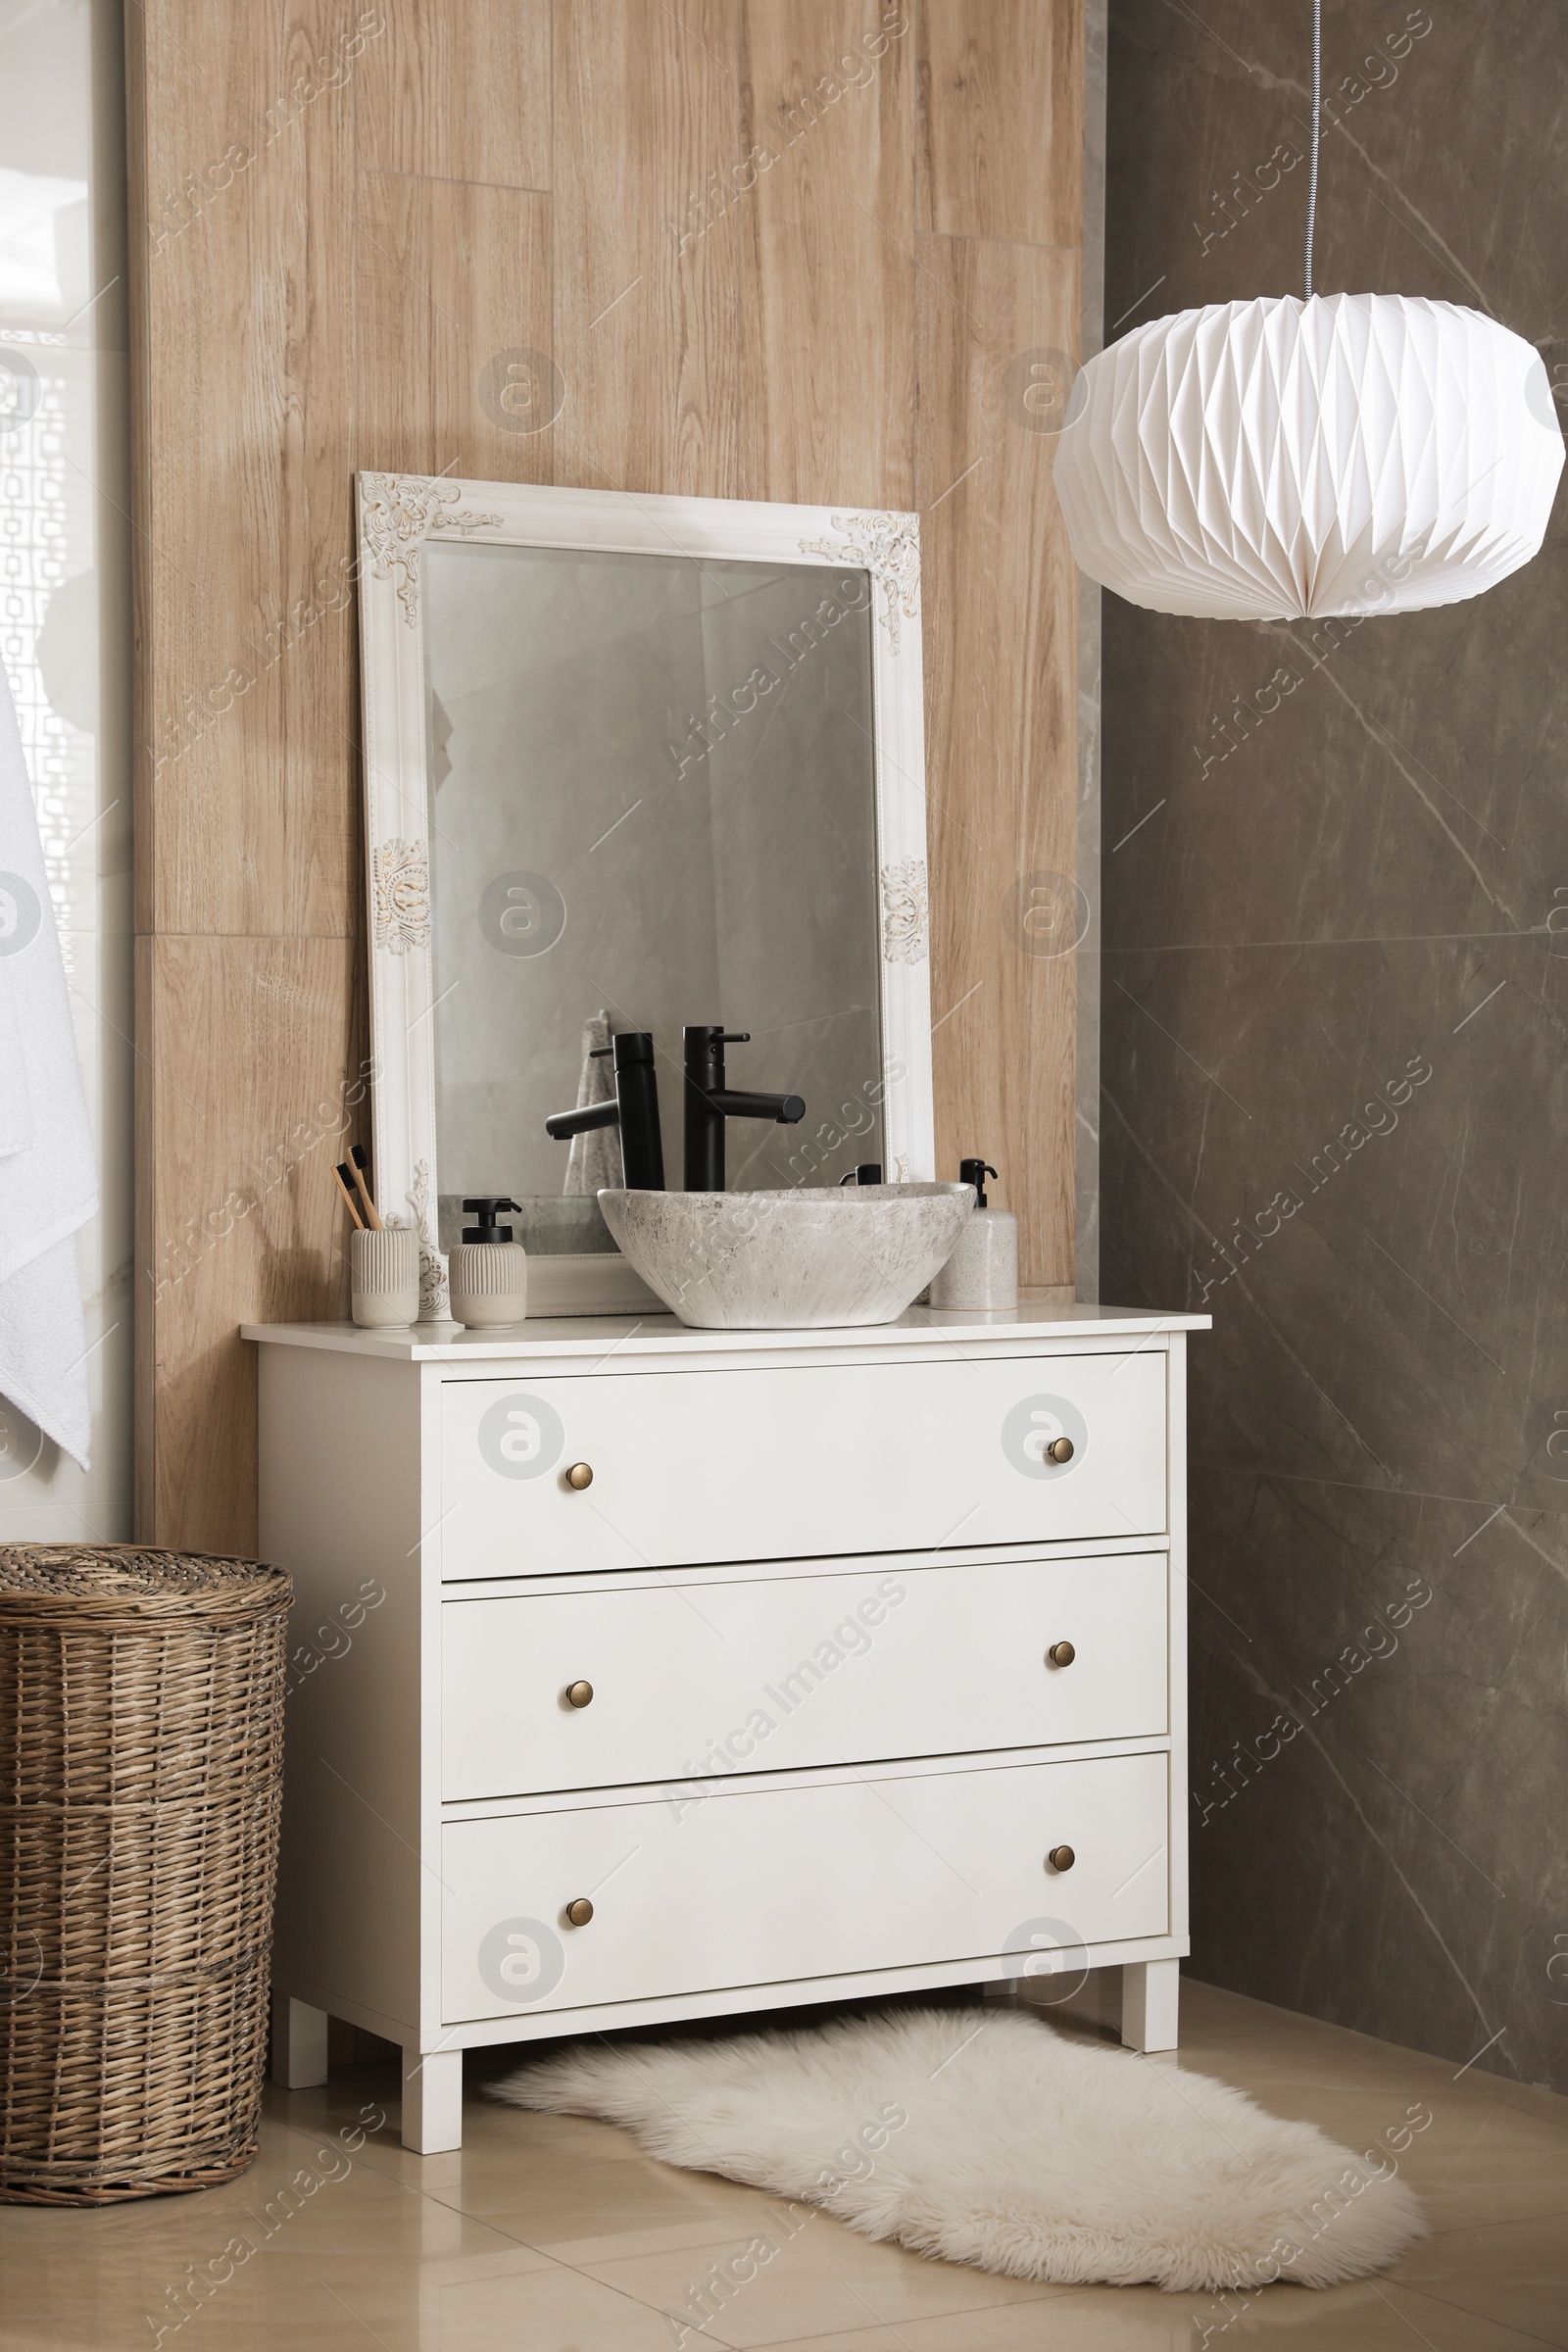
<point>362,1160</point>
<point>343,1173</point>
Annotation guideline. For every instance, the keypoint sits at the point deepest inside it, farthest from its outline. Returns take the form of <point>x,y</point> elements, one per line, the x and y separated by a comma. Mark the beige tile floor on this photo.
<point>554,2234</point>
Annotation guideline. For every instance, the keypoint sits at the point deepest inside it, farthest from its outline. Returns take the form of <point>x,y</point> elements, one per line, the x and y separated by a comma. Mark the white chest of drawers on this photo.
<point>828,1681</point>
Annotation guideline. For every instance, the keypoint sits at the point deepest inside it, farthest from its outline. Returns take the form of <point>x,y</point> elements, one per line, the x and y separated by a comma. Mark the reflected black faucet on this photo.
<point>634,1110</point>
<point>709,1102</point>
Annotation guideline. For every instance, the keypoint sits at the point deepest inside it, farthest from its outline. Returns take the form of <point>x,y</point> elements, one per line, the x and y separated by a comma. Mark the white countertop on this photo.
<point>1037,1318</point>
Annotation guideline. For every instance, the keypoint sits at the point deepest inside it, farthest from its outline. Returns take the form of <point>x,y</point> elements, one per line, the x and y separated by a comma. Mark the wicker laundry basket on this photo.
<point>141,1763</point>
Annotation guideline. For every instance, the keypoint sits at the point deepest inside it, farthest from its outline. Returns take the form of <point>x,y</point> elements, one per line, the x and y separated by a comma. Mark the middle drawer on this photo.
<point>770,1674</point>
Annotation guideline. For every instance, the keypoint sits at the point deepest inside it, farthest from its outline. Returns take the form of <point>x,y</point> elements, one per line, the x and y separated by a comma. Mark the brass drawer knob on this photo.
<point>579,1913</point>
<point>1059,1450</point>
<point>579,1695</point>
<point>1061,1653</point>
<point>580,1475</point>
<point>1061,1857</point>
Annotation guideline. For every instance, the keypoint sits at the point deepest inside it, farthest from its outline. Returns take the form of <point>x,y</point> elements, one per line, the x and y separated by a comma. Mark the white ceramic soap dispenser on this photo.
<point>488,1270</point>
<point>983,1271</point>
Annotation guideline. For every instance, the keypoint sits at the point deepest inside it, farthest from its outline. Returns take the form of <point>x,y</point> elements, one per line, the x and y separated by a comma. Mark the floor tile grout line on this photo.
<point>577,2270</point>
<point>1319,2025</point>
<point>353,2314</point>
<point>1401,2315</point>
<point>1526,2335</point>
<point>1049,2292</point>
<point>1458,2228</point>
<point>558,2262</point>
<point>1508,2221</point>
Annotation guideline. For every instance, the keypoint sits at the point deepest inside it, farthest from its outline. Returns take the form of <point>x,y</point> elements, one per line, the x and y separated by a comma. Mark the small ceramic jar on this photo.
<point>489,1283</point>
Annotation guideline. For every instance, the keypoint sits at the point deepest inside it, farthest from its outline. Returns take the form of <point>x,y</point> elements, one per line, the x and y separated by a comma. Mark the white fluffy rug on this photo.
<point>989,2138</point>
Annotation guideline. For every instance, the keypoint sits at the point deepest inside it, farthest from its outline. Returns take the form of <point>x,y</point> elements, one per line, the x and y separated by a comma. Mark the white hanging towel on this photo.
<point>593,1160</point>
<point>48,1179</point>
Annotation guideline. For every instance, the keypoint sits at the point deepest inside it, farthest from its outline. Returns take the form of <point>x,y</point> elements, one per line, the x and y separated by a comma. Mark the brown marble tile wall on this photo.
<point>1334,1055</point>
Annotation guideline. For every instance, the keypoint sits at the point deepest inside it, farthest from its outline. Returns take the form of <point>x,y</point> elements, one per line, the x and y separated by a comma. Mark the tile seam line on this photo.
<point>1352,1486</point>
<point>974,237</point>
<point>555,2262</point>
<point>1368,938</point>
<point>263,938</point>
<point>1509,2221</point>
<point>1050,2293</point>
<point>450,180</point>
<point>529,2245</point>
<point>700,2247</point>
<point>1525,2336</point>
<point>1326,2024</point>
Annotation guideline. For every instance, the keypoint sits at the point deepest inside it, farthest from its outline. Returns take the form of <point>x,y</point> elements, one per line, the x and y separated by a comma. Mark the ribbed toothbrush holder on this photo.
<point>384,1278</point>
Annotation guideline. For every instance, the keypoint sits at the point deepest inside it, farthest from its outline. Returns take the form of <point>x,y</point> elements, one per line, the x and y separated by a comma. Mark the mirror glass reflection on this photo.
<point>651,803</point>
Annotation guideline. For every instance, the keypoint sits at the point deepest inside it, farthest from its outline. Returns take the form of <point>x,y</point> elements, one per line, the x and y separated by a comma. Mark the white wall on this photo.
<point>65,637</point>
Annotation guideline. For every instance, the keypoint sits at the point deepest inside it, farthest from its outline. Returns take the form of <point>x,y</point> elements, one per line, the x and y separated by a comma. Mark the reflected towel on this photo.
<point>593,1160</point>
<point>48,1178</point>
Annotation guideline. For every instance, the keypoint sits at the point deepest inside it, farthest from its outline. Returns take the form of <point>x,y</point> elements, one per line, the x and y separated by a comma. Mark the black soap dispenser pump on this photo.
<point>487,1208</point>
<point>981,1276</point>
<point>488,1270</point>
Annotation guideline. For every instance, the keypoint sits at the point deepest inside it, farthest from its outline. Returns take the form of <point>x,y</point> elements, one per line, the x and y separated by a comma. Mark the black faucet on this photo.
<point>634,1110</point>
<point>709,1102</point>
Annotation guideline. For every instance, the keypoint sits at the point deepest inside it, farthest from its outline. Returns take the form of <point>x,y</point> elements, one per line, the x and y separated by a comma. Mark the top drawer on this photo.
<point>703,1466</point>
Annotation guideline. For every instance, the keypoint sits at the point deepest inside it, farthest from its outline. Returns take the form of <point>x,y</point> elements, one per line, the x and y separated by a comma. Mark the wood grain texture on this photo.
<point>458,92</point>
<point>452,296</point>
<point>823,239</point>
<point>649,128</point>
<point>254,1088</point>
<point>245,732</point>
<point>1002,684</point>
<point>712,218</point>
<point>1002,121</point>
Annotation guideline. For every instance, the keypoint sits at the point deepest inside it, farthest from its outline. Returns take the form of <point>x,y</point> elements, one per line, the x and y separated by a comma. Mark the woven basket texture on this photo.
<point>141,1766</point>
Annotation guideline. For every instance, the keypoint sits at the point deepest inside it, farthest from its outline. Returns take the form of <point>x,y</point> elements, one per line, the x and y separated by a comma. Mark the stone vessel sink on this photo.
<point>805,1260</point>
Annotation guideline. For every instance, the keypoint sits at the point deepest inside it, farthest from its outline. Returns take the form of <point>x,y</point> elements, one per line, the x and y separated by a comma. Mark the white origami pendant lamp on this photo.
<point>1278,459</point>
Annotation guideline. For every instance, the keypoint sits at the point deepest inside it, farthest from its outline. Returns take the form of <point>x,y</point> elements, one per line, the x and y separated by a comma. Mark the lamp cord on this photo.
<point>1317,101</point>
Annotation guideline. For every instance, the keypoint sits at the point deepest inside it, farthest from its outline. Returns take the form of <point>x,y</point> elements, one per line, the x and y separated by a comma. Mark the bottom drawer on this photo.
<point>758,1887</point>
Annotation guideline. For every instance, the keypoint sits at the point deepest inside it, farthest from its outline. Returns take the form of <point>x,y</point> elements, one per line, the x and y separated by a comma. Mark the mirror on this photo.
<point>634,764</point>
<point>605,855</point>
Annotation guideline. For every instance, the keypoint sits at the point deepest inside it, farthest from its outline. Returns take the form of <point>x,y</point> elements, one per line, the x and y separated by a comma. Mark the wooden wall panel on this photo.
<point>255,1087</point>
<point>247,826</point>
<point>1001,122</point>
<point>715,220</point>
<point>458,92</point>
<point>242,342</point>
<point>824,239</point>
<point>648,112</point>
<point>451,277</point>
<point>1002,686</point>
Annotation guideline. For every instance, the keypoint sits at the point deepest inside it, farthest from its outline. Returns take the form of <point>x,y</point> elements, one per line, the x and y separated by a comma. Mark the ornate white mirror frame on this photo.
<point>397,514</point>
